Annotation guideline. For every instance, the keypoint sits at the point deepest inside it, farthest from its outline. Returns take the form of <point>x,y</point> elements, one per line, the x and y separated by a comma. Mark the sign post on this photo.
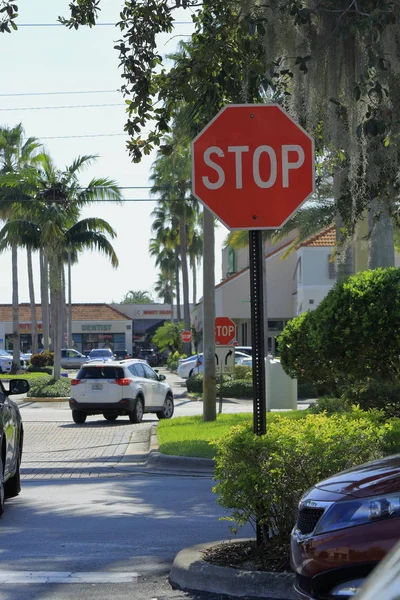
<point>253,167</point>
<point>224,365</point>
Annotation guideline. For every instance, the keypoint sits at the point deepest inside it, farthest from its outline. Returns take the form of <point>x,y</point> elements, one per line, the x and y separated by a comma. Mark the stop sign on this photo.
<point>186,336</point>
<point>253,166</point>
<point>225,331</point>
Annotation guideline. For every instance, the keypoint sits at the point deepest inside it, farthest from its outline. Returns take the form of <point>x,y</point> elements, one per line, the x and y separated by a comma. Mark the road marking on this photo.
<point>66,577</point>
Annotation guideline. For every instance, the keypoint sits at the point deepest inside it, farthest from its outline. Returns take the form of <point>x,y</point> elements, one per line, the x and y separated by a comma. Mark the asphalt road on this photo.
<point>83,526</point>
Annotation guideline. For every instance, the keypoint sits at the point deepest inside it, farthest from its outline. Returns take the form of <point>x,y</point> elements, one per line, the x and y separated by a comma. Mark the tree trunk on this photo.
<point>209,381</point>
<point>194,272</point>
<point>178,288</point>
<point>185,280</point>
<point>34,327</point>
<point>44,293</point>
<point>69,318</point>
<point>15,310</point>
<point>56,307</point>
<point>381,246</point>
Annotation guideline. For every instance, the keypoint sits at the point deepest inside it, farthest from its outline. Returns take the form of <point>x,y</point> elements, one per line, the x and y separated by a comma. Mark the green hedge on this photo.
<point>261,478</point>
<point>50,388</point>
<point>232,388</point>
<point>47,370</point>
<point>373,394</point>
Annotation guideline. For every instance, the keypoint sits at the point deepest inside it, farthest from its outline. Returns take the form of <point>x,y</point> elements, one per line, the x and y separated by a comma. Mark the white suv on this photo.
<point>120,387</point>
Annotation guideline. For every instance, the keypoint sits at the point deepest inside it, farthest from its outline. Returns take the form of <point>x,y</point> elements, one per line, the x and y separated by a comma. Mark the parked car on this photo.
<point>5,362</point>
<point>246,349</point>
<point>189,366</point>
<point>114,388</point>
<point>122,354</point>
<point>11,440</point>
<point>345,526</point>
<point>194,364</point>
<point>72,359</point>
<point>149,355</point>
<point>100,354</point>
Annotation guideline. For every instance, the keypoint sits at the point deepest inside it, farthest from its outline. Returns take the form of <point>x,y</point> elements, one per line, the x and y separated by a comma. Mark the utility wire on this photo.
<point>58,107</point>
<point>97,24</point>
<point>60,93</point>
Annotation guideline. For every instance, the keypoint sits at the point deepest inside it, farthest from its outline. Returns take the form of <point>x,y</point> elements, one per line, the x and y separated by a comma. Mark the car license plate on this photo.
<point>97,386</point>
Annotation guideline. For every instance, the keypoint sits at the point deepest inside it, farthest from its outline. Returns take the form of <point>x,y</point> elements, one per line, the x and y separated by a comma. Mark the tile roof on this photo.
<point>323,239</point>
<point>80,312</point>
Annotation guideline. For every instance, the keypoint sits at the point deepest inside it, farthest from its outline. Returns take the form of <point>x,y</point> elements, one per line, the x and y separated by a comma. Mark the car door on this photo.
<point>75,359</point>
<point>146,382</point>
<point>153,379</point>
<point>8,426</point>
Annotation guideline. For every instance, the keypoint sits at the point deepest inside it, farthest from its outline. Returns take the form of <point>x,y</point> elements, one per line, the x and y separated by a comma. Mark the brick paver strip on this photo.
<point>65,450</point>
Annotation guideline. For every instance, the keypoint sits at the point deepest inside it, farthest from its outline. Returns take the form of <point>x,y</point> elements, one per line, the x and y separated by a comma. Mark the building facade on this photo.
<point>93,326</point>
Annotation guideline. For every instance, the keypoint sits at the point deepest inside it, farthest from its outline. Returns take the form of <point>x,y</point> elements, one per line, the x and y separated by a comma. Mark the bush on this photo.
<point>50,388</point>
<point>261,478</point>
<point>373,394</point>
<point>173,365</point>
<point>232,388</point>
<point>242,372</point>
<point>46,359</point>
<point>32,369</point>
<point>330,406</point>
<point>306,389</point>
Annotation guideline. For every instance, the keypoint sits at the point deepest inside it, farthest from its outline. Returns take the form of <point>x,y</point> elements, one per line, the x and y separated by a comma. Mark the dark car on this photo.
<point>121,354</point>
<point>345,526</point>
<point>11,440</point>
<point>149,355</point>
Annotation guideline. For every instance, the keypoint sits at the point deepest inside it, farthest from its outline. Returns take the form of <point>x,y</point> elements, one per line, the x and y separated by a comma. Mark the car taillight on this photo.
<point>123,381</point>
<point>76,381</point>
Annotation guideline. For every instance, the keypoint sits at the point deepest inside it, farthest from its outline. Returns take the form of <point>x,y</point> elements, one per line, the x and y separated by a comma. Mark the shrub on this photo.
<point>232,388</point>
<point>50,388</point>
<point>381,395</point>
<point>46,359</point>
<point>173,365</point>
<point>330,406</point>
<point>32,369</point>
<point>306,389</point>
<point>242,372</point>
<point>261,478</point>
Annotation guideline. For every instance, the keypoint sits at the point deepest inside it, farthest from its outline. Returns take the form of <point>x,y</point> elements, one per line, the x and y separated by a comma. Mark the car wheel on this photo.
<point>110,416</point>
<point>78,416</point>
<point>1,486</point>
<point>137,414</point>
<point>13,486</point>
<point>168,408</point>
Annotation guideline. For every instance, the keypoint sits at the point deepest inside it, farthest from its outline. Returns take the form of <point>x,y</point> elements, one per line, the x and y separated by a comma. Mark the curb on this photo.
<point>191,572</point>
<point>47,399</point>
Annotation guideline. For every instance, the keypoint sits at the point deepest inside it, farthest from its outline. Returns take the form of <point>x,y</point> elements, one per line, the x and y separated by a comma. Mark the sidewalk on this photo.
<point>189,570</point>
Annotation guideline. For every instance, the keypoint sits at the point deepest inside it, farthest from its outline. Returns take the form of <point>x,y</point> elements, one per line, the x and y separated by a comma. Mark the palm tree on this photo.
<point>137,297</point>
<point>164,289</point>
<point>171,175</point>
<point>16,152</point>
<point>52,224</point>
<point>195,251</point>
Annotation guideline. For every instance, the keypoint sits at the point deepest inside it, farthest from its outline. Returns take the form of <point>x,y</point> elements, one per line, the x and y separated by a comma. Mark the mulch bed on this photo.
<point>272,556</point>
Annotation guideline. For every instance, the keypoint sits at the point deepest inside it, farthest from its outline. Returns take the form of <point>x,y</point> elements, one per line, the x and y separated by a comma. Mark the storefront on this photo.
<point>93,326</point>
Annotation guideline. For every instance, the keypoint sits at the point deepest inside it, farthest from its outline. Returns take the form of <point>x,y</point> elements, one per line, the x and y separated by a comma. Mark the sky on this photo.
<point>37,63</point>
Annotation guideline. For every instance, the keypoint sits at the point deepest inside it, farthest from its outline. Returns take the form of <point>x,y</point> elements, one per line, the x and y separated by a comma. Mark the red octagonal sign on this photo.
<point>253,166</point>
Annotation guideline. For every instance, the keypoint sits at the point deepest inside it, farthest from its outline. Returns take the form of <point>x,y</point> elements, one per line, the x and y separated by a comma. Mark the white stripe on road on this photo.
<point>66,577</point>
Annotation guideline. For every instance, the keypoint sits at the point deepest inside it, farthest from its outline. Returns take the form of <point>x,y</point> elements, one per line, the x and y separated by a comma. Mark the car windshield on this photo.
<point>102,372</point>
<point>100,352</point>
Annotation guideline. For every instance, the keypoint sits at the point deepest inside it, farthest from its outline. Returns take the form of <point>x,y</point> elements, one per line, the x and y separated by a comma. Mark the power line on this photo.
<point>97,24</point>
<point>90,135</point>
<point>60,93</point>
<point>59,107</point>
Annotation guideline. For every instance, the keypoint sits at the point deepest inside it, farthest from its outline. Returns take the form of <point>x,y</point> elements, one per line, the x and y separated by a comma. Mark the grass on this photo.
<point>191,436</point>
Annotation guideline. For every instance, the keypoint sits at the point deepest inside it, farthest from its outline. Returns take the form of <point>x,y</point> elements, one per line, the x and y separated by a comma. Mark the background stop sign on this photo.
<point>186,336</point>
<point>253,166</point>
<point>225,331</point>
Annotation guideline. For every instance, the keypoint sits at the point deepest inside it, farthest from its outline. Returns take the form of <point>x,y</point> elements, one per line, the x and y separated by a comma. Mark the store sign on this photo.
<point>156,312</point>
<point>27,327</point>
<point>96,328</point>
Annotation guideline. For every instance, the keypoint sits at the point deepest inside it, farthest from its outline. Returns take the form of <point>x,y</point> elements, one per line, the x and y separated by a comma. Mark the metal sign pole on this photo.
<point>221,379</point>
<point>257,330</point>
<point>257,337</point>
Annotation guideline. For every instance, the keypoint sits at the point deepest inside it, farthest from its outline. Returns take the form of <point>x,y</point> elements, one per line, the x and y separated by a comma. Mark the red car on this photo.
<point>345,526</point>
